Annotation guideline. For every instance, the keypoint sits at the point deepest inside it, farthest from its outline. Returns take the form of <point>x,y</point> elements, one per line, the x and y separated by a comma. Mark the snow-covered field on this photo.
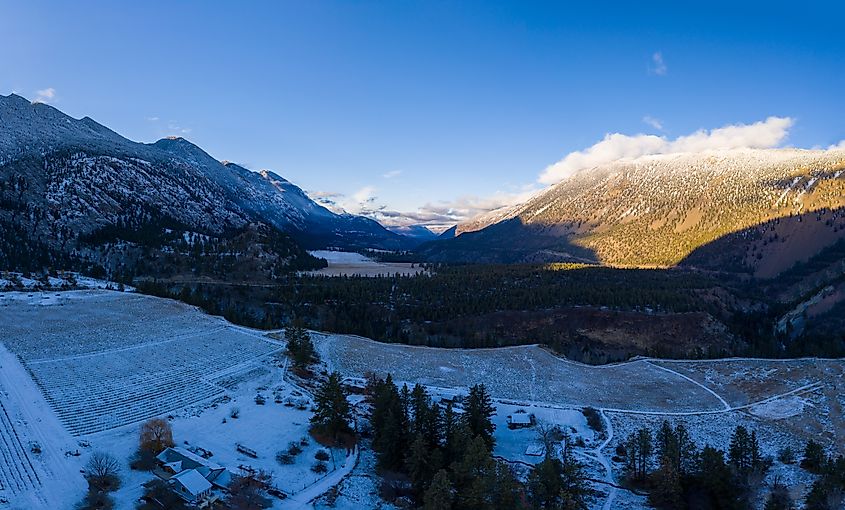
<point>342,263</point>
<point>528,373</point>
<point>79,370</point>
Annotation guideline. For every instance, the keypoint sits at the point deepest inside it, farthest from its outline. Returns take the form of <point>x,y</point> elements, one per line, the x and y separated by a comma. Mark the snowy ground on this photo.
<point>527,373</point>
<point>95,364</point>
<point>80,370</point>
<point>342,263</point>
<point>10,281</point>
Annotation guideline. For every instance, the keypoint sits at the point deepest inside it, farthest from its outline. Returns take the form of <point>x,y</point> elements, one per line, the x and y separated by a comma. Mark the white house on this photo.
<point>190,485</point>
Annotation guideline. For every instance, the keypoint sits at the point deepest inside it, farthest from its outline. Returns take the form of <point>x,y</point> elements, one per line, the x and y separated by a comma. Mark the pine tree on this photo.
<point>716,480</point>
<point>507,490</point>
<point>478,415</point>
<point>390,425</point>
<point>425,417</point>
<point>332,413</point>
<point>449,423</point>
<point>300,346</point>
<point>420,466</point>
<point>639,447</point>
<point>576,493</point>
<point>814,457</point>
<point>439,495</point>
<point>475,476</point>
<point>687,450</point>
<point>740,452</point>
<point>545,485</point>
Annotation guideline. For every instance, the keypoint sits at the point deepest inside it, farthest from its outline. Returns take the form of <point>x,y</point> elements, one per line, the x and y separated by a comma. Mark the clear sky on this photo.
<point>425,106</point>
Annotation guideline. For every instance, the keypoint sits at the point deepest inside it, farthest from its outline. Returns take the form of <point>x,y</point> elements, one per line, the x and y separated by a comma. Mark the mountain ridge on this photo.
<point>64,181</point>
<point>653,211</point>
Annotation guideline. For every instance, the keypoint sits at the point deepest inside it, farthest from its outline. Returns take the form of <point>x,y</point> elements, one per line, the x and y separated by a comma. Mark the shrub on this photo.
<point>96,500</point>
<point>786,455</point>
<point>294,448</point>
<point>320,468</point>
<point>143,460</point>
<point>235,413</point>
<point>594,419</point>
<point>284,458</point>
<point>322,455</point>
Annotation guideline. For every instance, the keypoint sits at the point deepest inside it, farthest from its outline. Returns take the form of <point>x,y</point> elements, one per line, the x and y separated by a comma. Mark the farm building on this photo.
<point>191,486</point>
<point>191,476</point>
<point>520,420</point>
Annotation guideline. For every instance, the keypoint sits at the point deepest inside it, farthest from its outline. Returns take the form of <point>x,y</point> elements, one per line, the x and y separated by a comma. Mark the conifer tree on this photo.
<point>474,476</point>
<point>439,495</point>
<point>422,464</point>
<point>507,491</point>
<point>332,413</point>
<point>814,457</point>
<point>544,484</point>
<point>478,414</point>
<point>639,447</point>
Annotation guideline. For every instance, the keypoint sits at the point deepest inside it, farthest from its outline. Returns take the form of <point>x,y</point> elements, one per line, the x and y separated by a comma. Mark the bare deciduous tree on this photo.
<point>102,471</point>
<point>249,492</point>
<point>549,435</point>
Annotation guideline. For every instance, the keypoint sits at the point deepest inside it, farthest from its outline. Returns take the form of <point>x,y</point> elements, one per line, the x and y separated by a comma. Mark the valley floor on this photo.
<point>80,370</point>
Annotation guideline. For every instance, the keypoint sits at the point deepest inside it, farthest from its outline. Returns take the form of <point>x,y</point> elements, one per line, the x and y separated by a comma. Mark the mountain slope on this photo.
<point>74,191</point>
<point>420,233</point>
<point>656,210</point>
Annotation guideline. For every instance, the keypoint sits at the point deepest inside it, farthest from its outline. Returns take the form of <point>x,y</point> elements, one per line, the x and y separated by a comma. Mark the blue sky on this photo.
<point>429,107</point>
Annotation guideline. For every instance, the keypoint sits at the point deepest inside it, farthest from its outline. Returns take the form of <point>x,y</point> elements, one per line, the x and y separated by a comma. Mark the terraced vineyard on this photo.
<point>135,370</point>
<point>17,472</point>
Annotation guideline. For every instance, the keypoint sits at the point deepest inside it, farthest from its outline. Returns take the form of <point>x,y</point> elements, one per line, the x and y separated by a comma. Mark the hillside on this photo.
<point>74,194</point>
<point>769,208</point>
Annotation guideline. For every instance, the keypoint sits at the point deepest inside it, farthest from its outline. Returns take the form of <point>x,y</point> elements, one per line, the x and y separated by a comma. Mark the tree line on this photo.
<point>440,456</point>
<point>679,475</point>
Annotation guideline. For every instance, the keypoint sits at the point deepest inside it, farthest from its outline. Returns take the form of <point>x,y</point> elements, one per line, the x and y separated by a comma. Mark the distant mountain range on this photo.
<point>75,189</point>
<point>754,211</point>
<point>419,232</point>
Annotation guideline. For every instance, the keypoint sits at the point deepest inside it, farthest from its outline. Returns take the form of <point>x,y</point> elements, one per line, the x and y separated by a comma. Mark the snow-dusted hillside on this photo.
<point>655,210</point>
<point>62,179</point>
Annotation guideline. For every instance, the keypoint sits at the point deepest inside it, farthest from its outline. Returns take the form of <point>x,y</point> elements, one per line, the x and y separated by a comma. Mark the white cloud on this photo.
<point>435,215</point>
<point>658,65</point>
<point>840,145</point>
<point>47,95</point>
<point>362,201</point>
<point>446,213</point>
<point>764,134</point>
<point>365,195</point>
<point>653,122</point>
<point>174,127</point>
<point>152,119</point>
<point>391,174</point>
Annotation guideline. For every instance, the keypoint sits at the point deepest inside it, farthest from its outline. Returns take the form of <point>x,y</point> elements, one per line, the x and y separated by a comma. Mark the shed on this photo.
<point>520,420</point>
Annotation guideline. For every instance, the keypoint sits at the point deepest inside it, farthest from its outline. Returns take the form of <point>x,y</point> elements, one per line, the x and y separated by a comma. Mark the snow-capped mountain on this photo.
<point>64,181</point>
<point>418,232</point>
<point>661,210</point>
